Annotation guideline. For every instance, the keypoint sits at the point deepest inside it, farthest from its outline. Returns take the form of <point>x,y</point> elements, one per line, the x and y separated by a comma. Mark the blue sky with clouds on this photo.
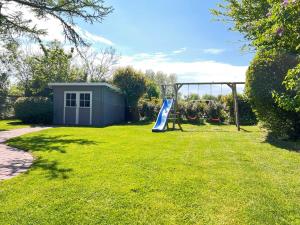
<point>165,26</point>
<point>173,36</point>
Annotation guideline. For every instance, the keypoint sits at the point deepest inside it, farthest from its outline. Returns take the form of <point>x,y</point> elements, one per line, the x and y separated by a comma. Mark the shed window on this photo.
<point>85,100</point>
<point>70,100</point>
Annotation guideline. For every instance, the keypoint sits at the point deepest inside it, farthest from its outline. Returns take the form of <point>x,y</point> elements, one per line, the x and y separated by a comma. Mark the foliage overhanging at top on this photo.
<point>14,25</point>
<point>269,25</point>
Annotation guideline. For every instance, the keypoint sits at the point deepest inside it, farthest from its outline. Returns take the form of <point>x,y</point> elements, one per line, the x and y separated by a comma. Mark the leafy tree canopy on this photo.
<point>13,24</point>
<point>132,83</point>
<point>269,25</point>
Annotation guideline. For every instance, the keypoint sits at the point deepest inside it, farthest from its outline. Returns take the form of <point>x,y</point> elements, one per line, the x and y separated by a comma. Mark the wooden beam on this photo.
<point>208,83</point>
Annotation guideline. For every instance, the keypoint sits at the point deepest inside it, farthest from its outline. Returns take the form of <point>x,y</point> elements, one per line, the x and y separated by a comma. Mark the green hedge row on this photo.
<point>35,110</point>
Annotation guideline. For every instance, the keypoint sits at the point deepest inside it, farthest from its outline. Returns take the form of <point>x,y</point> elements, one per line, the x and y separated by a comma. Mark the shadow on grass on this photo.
<point>52,168</point>
<point>44,143</point>
<point>17,123</point>
<point>140,123</point>
<point>287,145</point>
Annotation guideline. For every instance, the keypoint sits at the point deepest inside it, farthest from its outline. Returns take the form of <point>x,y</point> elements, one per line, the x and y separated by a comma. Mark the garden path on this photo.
<point>14,161</point>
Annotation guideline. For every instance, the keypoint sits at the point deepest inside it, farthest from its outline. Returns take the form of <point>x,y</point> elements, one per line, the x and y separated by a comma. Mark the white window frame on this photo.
<point>77,107</point>
<point>90,100</point>
<point>65,101</point>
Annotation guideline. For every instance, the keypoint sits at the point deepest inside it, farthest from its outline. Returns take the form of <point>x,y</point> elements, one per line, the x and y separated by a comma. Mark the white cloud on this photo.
<point>93,38</point>
<point>193,71</point>
<point>213,51</point>
<point>52,26</point>
<point>179,51</point>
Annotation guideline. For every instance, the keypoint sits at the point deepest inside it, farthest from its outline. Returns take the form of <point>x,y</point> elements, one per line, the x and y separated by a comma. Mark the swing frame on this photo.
<point>232,85</point>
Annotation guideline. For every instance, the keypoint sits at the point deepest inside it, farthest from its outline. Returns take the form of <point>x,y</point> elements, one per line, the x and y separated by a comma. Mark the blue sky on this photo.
<point>162,26</point>
<point>173,36</point>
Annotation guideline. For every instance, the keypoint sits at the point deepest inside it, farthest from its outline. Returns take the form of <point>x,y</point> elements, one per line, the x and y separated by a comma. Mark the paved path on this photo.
<point>14,161</point>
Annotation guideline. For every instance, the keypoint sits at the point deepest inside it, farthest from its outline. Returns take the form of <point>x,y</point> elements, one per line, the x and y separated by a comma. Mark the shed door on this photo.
<point>85,108</point>
<point>70,110</point>
<point>78,108</point>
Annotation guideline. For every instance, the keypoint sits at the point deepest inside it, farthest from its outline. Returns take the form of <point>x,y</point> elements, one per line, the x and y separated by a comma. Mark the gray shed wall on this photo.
<point>114,110</point>
<point>108,106</point>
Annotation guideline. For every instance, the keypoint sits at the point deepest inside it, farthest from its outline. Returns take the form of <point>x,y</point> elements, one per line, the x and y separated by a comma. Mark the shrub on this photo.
<point>152,90</point>
<point>246,114</point>
<point>149,109</point>
<point>264,76</point>
<point>216,110</point>
<point>133,84</point>
<point>34,110</point>
<point>194,110</point>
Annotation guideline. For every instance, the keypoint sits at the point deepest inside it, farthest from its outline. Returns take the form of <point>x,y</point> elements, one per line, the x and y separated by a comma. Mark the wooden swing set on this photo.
<point>174,116</point>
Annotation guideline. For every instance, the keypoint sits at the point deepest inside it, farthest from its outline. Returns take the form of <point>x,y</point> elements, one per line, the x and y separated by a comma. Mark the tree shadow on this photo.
<point>284,144</point>
<point>17,123</point>
<point>52,169</point>
<point>246,131</point>
<point>139,123</point>
<point>45,143</point>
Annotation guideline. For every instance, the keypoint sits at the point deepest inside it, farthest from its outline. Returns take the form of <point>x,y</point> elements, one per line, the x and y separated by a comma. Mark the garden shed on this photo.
<point>95,104</point>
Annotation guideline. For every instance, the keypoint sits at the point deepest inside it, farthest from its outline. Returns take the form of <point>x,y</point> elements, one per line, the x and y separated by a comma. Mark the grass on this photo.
<point>128,175</point>
<point>11,124</point>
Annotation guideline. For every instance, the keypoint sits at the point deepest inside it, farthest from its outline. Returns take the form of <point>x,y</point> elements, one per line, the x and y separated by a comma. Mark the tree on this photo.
<point>33,72</point>
<point>265,75</point>
<point>193,97</point>
<point>3,93</point>
<point>14,25</point>
<point>288,101</point>
<point>54,66</point>
<point>133,84</point>
<point>98,65</point>
<point>246,114</point>
<point>6,56</point>
<point>161,78</point>
<point>270,26</point>
<point>265,24</point>
<point>152,90</point>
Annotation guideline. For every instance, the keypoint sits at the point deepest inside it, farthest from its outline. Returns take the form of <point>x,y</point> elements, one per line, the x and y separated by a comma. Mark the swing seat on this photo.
<point>193,117</point>
<point>215,120</point>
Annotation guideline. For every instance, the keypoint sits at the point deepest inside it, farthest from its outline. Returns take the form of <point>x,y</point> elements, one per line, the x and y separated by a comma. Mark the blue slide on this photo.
<point>162,118</point>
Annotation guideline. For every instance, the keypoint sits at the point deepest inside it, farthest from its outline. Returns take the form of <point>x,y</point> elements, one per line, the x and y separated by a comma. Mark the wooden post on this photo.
<point>175,105</point>
<point>163,90</point>
<point>235,104</point>
<point>177,88</point>
<point>236,107</point>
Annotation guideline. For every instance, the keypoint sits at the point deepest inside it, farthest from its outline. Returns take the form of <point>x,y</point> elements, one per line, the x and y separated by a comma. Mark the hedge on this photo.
<point>35,110</point>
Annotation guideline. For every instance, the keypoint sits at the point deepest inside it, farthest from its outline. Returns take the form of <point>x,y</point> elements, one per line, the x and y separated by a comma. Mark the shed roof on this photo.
<point>86,85</point>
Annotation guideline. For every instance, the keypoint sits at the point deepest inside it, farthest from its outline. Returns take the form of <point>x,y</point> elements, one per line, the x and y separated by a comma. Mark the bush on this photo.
<point>133,84</point>
<point>34,110</point>
<point>264,76</point>
<point>246,114</point>
<point>194,110</point>
<point>216,110</point>
<point>152,90</point>
<point>149,109</point>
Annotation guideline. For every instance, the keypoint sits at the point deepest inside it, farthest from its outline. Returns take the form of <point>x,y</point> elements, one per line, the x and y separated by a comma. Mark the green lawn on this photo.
<point>11,124</point>
<point>128,175</point>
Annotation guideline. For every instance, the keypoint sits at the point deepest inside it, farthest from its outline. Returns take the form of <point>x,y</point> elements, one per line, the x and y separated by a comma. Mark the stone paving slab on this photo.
<point>14,161</point>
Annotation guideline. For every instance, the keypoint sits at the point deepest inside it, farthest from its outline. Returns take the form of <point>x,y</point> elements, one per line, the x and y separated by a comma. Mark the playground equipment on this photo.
<point>173,116</point>
<point>162,119</point>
